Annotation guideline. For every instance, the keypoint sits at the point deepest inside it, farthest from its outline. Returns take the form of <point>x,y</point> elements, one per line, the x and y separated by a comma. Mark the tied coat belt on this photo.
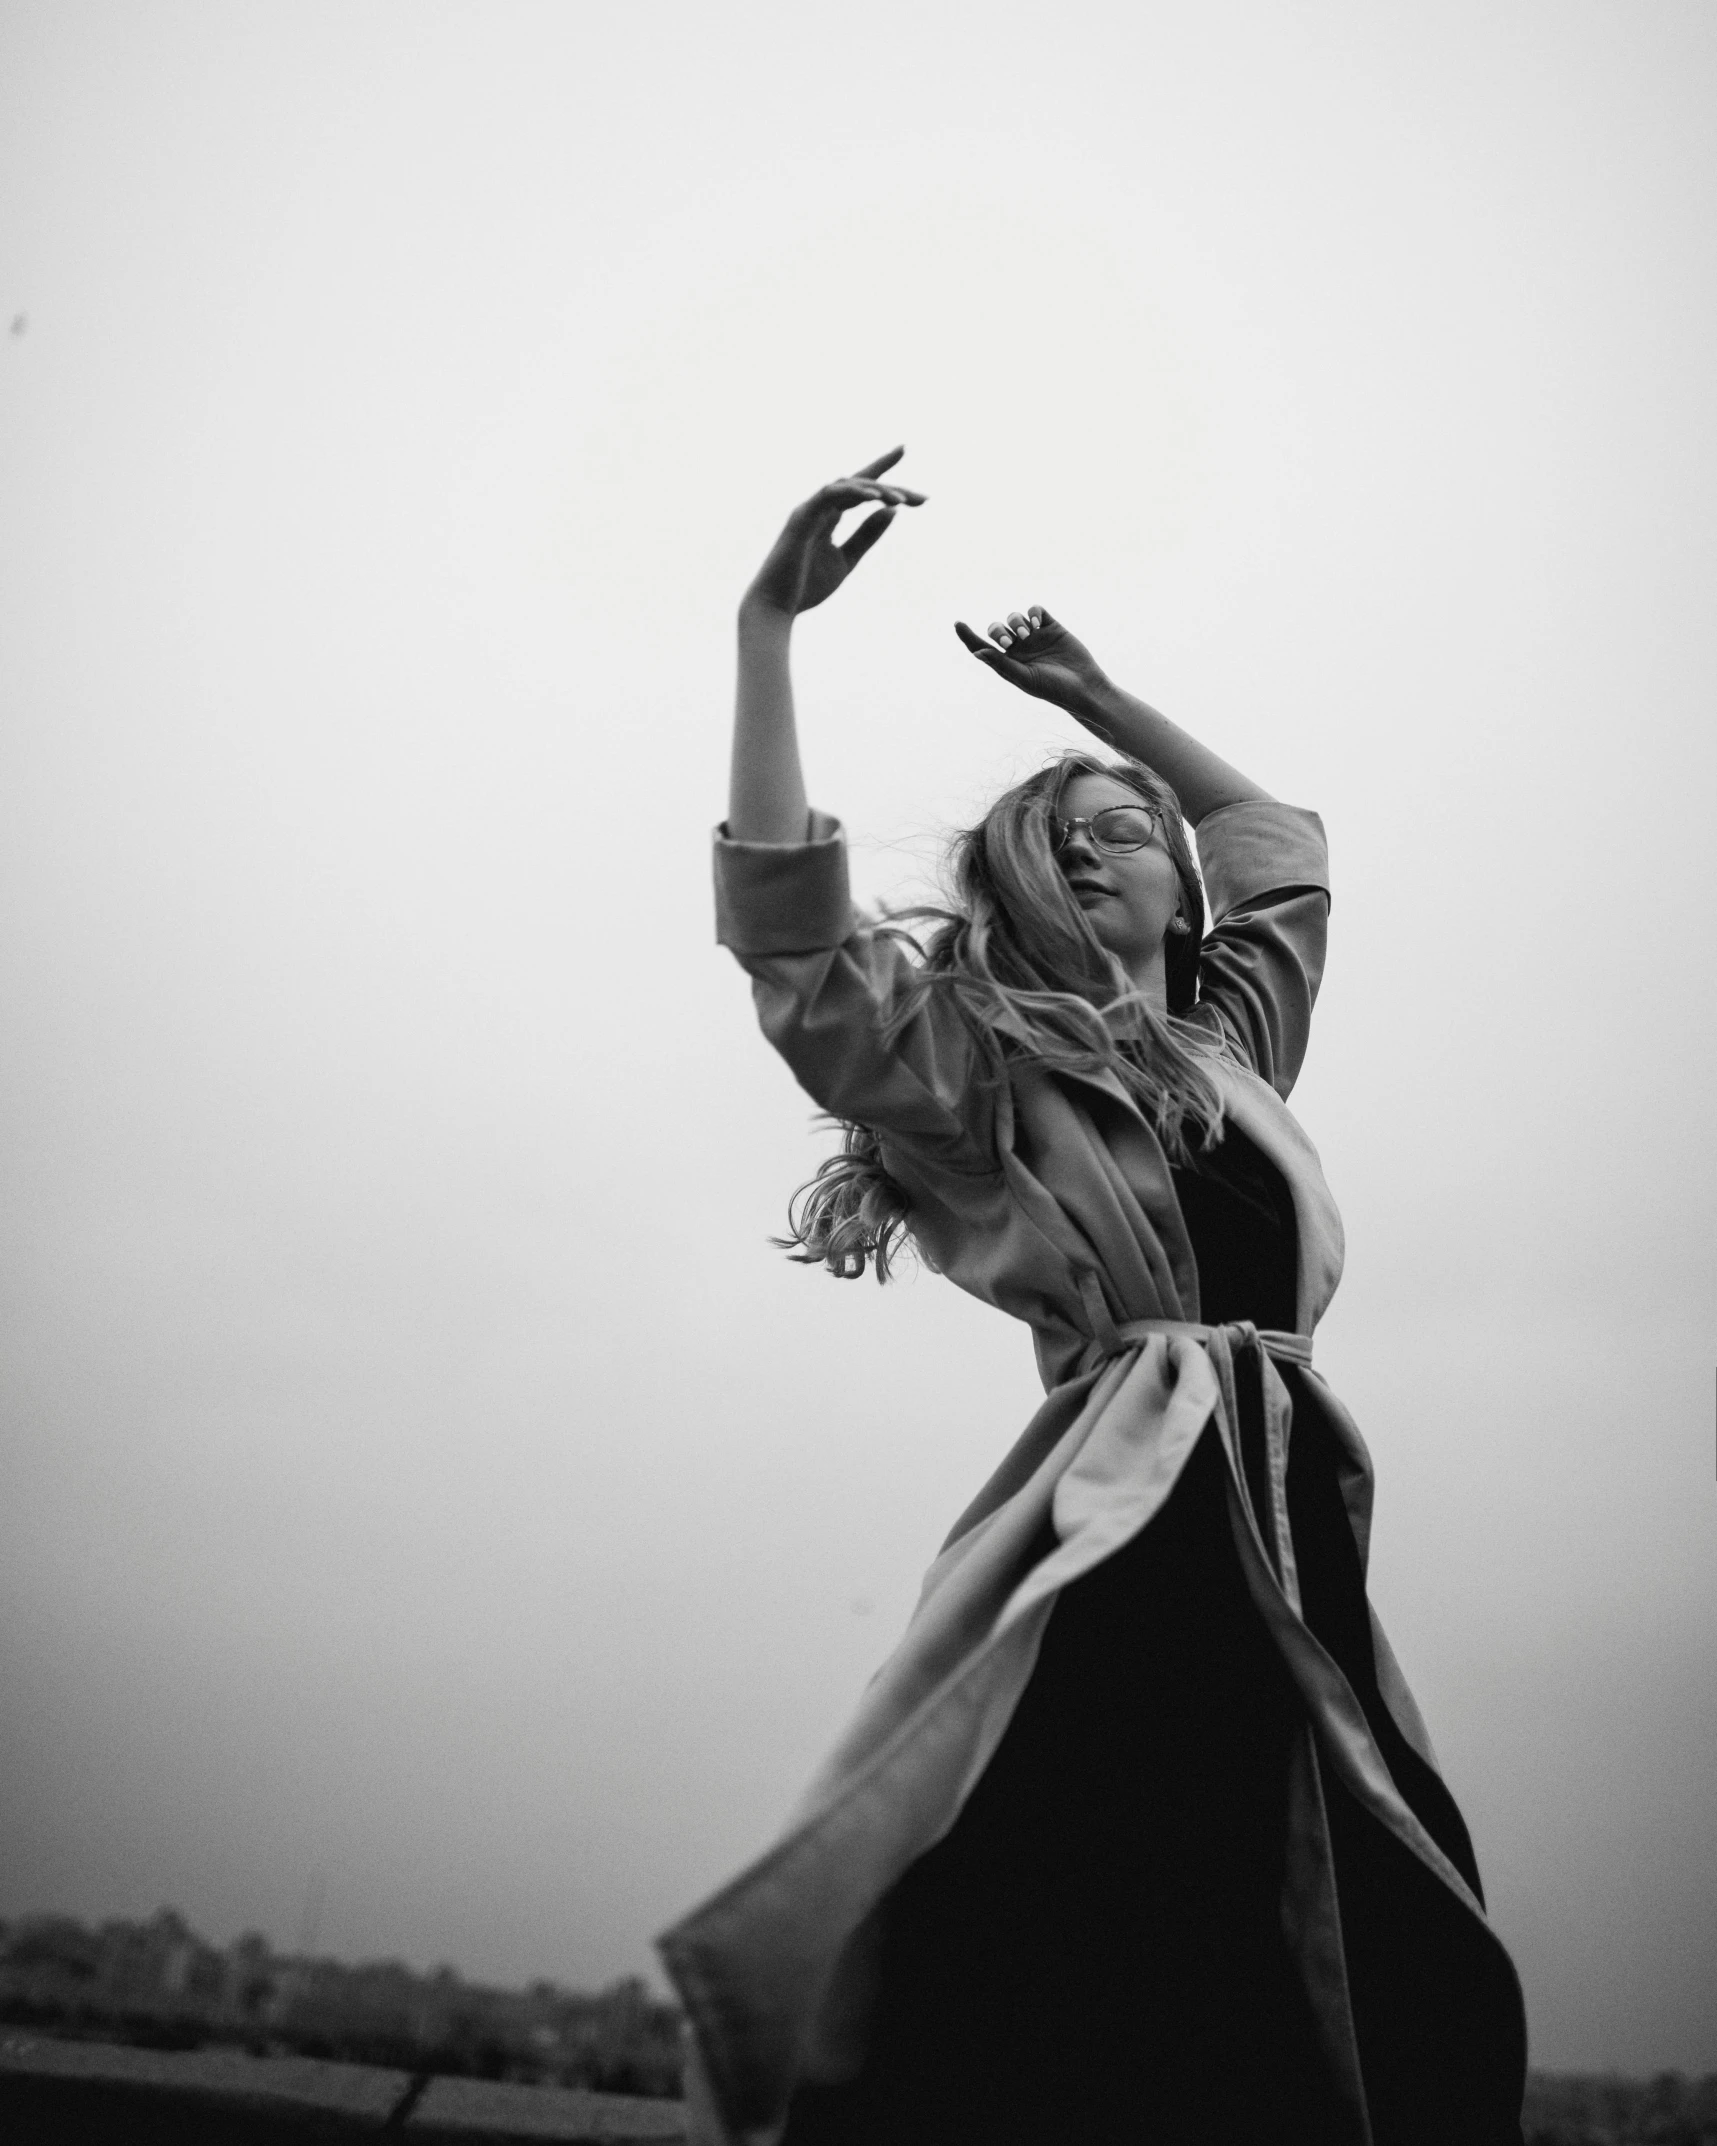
<point>777,1969</point>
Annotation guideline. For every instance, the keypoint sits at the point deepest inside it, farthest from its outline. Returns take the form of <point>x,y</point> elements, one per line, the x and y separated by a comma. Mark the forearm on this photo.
<point>766,791</point>
<point>1201,780</point>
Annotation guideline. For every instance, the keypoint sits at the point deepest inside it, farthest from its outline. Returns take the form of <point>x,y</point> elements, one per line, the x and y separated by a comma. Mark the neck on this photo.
<point>1149,977</point>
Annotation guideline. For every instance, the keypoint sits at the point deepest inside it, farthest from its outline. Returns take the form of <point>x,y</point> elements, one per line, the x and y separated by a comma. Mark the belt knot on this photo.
<point>1275,1342</point>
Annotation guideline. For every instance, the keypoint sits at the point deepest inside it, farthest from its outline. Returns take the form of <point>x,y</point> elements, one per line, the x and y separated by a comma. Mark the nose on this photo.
<point>1077,847</point>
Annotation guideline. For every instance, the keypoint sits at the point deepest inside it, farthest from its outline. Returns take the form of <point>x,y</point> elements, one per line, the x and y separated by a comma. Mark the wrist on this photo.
<point>762,620</point>
<point>1093,699</point>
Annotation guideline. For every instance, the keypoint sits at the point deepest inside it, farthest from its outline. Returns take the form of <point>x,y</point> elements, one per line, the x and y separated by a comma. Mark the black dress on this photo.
<point>1094,1952</point>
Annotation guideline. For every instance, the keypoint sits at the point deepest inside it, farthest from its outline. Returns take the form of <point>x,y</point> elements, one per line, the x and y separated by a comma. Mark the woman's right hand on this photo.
<point>806,566</point>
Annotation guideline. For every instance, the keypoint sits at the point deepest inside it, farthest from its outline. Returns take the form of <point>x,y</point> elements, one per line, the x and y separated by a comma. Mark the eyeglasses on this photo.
<point>1117,828</point>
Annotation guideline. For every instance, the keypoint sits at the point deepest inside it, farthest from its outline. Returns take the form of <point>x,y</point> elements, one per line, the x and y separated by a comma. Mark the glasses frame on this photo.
<point>1063,830</point>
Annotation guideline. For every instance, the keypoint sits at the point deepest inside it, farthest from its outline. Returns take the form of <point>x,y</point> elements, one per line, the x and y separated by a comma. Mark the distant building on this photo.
<point>159,1981</point>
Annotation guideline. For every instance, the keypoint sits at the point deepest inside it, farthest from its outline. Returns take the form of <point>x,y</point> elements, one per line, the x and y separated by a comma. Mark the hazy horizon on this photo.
<point>420,1469</point>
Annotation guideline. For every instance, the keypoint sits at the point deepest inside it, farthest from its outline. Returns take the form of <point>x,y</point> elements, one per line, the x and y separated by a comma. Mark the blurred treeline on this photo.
<point>160,1985</point>
<point>1566,2109</point>
<point>157,1983</point>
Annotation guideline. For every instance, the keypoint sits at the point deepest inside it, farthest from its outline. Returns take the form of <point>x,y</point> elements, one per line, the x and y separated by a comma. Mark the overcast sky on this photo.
<point>422,1480</point>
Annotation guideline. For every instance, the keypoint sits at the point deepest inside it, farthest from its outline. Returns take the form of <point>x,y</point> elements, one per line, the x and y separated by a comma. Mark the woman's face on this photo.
<point>1129,896</point>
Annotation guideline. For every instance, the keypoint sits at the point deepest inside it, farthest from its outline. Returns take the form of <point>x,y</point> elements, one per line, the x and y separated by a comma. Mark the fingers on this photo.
<point>882,462</point>
<point>833,500</point>
<point>864,536</point>
<point>981,649</point>
<point>1020,627</point>
<point>1023,624</point>
<point>897,495</point>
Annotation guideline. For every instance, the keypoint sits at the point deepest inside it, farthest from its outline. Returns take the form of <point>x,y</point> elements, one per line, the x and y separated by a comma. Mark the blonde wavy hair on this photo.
<point>1017,957</point>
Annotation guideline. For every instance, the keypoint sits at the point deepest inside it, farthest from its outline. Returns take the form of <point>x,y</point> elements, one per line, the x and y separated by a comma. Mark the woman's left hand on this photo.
<point>1037,653</point>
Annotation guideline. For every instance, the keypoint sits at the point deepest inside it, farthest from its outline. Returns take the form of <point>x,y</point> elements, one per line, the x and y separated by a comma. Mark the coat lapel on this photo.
<point>1265,1119</point>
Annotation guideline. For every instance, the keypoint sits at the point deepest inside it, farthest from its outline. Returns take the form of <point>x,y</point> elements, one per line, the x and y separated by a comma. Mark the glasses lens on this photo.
<point>1124,827</point>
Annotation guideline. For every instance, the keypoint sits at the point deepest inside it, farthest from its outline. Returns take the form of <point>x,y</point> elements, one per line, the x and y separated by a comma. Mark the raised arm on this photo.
<point>833,992</point>
<point>766,792</point>
<point>1037,653</point>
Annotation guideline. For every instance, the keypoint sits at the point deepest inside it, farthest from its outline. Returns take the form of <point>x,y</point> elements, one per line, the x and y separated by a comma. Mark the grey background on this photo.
<point>421,1480</point>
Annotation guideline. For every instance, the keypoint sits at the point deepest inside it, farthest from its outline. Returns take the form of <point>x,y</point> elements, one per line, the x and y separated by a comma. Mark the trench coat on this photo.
<point>1049,1196</point>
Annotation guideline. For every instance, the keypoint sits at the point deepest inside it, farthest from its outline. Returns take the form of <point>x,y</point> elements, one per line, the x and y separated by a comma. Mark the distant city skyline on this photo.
<point>159,1981</point>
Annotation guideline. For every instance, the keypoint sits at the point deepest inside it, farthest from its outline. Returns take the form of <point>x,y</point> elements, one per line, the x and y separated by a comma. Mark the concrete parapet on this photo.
<point>103,2094</point>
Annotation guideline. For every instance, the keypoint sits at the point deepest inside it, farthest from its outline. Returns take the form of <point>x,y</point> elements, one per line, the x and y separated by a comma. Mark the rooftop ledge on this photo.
<point>93,2093</point>
<point>66,2093</point>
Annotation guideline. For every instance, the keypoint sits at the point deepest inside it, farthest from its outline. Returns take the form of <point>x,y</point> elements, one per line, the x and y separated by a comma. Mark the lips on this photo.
<point>1082,888</point>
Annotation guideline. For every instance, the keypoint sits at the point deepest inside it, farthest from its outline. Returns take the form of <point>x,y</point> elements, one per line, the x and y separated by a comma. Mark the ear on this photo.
<point>1178,924</point>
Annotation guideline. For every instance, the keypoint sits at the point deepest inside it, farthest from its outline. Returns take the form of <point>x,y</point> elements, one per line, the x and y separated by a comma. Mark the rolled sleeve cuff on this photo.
<point>783,897</point>
<point>1259,848</point>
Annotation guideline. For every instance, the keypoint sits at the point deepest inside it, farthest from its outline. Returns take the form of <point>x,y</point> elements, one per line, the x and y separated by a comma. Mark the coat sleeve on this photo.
<point>826,985</point>
<point>1266,877</point>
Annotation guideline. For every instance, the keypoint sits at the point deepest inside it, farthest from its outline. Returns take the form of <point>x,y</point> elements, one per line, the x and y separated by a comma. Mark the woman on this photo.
<point>1138,1835</point>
